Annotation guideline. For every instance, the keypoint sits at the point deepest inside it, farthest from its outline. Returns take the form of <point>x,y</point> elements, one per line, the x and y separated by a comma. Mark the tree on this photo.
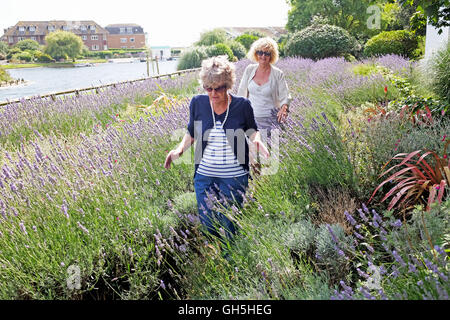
<point>3,48</point>
<point>437,11</point>
<point>220,49</point>
<point>246,40</point>
<point>27,44</point>
<point>63,45</point>
<point>212,37</point>
<point>348,14</point>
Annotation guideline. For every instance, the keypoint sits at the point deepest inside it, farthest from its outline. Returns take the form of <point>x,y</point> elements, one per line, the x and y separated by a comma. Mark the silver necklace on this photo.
<point>226,115</point>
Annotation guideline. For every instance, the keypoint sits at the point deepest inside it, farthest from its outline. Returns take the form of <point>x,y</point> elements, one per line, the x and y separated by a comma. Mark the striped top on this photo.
<point>218,159</point>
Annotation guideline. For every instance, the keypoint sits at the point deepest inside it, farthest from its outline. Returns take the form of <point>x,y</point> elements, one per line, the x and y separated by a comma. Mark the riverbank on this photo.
<point>51,64</point>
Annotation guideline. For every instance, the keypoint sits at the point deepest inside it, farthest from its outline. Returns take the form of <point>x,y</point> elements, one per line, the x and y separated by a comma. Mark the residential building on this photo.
<point>125,36</point>
<point>93,35</point>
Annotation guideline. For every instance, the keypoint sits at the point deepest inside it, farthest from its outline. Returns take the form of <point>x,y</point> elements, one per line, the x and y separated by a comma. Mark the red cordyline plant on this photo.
<point>417,181</point>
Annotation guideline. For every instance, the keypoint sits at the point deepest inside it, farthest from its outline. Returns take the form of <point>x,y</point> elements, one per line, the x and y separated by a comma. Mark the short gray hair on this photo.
<point>217,71</point>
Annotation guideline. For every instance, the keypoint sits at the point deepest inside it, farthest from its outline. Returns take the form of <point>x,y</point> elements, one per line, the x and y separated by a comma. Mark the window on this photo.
<point>20,38</point>
<point>94,37</point>
<point>65,28</point>
<point>92,28</point>
<point>11,39</point>
<point>32,28</point>
<point>129,30</point>
<point>131,39</point>
<point>51,28</point>
<point>95,47</point>
<point>84,37</point>
<point>123,40</point>
<point>33,38</point>
<point>122,30</point>
<point>21,29</point>
<point>104,37</point>
<point>124,47</point>
<point>83,28</point>
<point>105,47</point>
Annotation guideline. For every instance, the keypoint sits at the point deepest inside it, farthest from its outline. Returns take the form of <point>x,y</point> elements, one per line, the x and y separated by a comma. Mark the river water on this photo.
<point>41,81</point>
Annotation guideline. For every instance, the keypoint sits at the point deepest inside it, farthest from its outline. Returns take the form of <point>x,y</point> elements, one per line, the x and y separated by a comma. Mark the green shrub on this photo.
<point>400,42</point>
<point>4,75</point>
<point>42,57</point>
<point>192,58</point>
<point>219,49</point>
<point>320,41</point>
<point>212,37</point>
<point>246,40</point>
<point>23,56</point>
<point>12,52</point>
<point>27,44</point>
<point>3,48</point>
<point>238,49</point>
<point>441,73</point>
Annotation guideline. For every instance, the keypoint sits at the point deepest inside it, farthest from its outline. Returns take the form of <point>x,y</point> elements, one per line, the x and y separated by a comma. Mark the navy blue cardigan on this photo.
<point>240,122</point>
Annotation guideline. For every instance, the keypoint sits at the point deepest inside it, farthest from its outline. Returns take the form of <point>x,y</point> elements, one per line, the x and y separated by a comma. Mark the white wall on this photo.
<point>435,41</point>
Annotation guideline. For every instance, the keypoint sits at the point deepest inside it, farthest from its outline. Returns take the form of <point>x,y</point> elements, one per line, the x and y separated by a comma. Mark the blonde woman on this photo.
<point>221,123</point>
<point>264,85</point>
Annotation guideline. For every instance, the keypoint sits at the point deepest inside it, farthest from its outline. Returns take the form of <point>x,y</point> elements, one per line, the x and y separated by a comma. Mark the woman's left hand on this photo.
<point>283,113</point>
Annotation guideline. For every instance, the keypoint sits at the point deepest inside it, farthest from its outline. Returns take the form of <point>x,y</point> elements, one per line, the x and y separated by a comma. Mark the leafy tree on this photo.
<point>437,11</point>
<point>212,37</point>
<point>220,49</point>
<point>238,49</point>
<point>192,58</point>
<point>27,44</point>
<point>3,48</point>
<point>63,44</point>
<point>246,40</point>
<point>348,14</point>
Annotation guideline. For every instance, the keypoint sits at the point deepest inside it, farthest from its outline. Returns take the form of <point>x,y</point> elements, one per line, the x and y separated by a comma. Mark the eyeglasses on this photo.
<point>218,89</point>
<point>260,53</point>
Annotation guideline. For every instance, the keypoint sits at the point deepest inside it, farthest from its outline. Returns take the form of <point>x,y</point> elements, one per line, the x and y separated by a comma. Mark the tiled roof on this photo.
<point>122,25</point>
<point>41,27</point>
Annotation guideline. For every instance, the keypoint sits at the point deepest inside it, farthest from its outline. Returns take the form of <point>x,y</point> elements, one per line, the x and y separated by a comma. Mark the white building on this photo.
<point>161,52</point>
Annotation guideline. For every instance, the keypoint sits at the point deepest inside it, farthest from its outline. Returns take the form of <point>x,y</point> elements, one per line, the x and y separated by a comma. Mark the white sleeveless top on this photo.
<point>218,159</point>
<point>261,98</point>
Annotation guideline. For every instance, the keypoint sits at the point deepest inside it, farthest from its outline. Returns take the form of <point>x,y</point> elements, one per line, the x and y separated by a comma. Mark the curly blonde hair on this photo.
<point>264,44</point>
<point>217,71</point>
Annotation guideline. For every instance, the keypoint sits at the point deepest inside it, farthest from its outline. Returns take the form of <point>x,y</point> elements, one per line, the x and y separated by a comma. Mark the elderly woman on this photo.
<point>221,124</point>
<point>264,85</point>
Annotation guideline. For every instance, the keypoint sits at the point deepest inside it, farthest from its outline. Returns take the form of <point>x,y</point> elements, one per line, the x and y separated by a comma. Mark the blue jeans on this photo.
<point>232,189</point>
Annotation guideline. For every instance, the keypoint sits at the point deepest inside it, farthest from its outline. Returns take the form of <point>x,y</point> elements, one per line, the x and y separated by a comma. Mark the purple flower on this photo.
<point>22,227</point>
<point>349,218</point>
<point>64,210</point>
<point>83,228</point>
<point>398,258</point>
<point>397,223</point>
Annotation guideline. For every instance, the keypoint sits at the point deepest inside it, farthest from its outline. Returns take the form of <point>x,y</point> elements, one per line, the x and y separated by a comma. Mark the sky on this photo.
<point>167,22</point>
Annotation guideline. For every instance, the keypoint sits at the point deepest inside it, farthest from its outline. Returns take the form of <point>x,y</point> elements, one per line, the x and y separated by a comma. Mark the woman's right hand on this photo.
<point>172,156</point>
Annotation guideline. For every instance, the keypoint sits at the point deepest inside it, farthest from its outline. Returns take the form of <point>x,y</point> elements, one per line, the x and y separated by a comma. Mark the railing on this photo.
<point>96,88</point>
